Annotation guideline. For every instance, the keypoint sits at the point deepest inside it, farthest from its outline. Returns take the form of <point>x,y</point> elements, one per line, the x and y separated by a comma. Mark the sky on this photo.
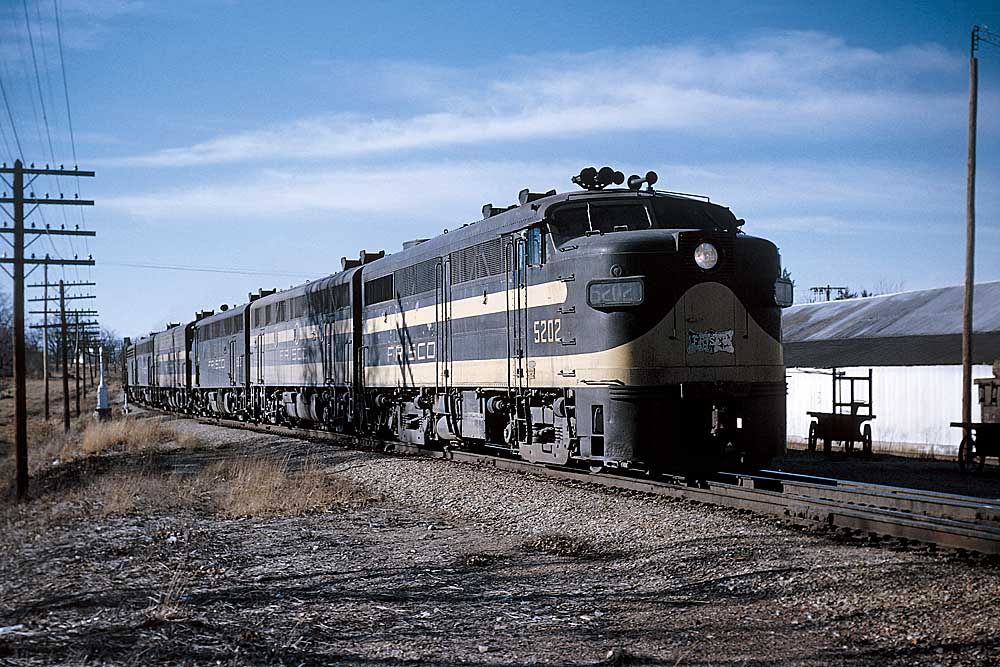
<point>241,145</point>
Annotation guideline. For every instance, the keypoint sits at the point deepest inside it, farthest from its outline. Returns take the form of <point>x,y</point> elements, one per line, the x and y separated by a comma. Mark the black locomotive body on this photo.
<point>302,353</point>
<point>608,328</point>
<point>220,368</point>
<point>158,368</point>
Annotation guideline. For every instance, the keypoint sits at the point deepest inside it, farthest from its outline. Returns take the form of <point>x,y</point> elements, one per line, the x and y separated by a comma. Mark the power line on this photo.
<point>207,269</point>
<point>52,96</point>
<point>69,115</point>
<point>6,144</point>
<point>45,122</point>
<point>10,116</point>
<point>38,82</point>
<point>62,67</point>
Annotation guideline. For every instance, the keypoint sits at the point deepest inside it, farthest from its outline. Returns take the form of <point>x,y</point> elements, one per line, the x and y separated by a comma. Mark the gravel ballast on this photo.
<point>460,564</point>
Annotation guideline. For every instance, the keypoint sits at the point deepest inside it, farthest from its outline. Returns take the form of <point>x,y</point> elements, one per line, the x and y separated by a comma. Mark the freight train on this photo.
<point>613,327</point>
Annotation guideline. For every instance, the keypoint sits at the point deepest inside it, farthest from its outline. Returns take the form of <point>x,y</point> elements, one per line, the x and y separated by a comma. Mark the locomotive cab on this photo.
<point>674,327</point>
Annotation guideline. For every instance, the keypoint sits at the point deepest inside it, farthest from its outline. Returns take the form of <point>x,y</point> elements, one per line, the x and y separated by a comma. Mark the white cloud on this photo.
<point>774,197</point>
<point>780,85</point>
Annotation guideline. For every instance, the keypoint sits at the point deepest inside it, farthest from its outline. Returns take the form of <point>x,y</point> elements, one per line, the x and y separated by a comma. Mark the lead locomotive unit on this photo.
<point>610,327</point>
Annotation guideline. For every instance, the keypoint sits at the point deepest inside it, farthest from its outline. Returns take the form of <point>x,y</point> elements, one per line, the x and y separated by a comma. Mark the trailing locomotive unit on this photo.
<point>220,368</point>
<point>302,350</point>
<point>613,327</point>
<point>158,368</point>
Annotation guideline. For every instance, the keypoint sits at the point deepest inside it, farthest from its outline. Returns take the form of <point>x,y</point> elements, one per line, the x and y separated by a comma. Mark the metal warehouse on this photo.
<point>911,342</point>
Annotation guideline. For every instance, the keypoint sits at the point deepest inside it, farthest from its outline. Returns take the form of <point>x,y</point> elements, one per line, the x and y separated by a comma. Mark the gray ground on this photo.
<point>458,564</point>
<point>896,471</point>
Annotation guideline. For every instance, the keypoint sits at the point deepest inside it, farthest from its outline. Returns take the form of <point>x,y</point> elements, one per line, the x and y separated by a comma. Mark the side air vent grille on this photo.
<point>379,290</point>
<point>416,279</point>
<point>478,261</point>
<point>341,295</point>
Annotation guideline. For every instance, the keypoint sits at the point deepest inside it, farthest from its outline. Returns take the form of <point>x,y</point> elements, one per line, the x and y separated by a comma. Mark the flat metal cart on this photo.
<point>983,440</point>
<point>848,421</point>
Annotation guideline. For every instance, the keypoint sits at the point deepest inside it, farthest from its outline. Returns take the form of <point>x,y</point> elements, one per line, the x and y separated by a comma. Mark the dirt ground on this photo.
<point>896,471</point>
<point>153,553</point>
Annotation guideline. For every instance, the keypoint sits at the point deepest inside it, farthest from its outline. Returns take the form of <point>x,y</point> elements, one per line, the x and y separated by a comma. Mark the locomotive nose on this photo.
<point>710,325</point>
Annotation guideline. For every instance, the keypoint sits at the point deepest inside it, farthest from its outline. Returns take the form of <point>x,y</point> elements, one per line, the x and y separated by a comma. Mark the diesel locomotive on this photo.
<point>608,327</point>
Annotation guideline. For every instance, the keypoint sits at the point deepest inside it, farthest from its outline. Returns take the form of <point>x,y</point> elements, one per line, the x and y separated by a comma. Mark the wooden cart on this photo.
<point>983,440</point>
<point>848,421</point>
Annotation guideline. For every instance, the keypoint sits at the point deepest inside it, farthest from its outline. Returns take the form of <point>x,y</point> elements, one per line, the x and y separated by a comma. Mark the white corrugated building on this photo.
<point>912,341</point>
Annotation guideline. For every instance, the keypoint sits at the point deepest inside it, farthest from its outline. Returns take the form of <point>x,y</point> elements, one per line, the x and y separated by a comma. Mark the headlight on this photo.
<point>616,293</point>
<point>706,256</point>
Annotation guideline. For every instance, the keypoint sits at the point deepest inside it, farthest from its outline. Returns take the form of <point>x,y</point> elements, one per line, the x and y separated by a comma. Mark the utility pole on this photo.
<point>18,200</point>
<point>65,366</point>
<point>828,290</point>
<point>979,34</point>
<point>45,340</point>
<point>76,362</point>
<point>80,327</point>
<point>69,323</point>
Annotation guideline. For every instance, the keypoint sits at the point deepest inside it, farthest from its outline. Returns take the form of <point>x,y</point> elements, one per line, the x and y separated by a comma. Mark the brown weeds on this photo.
<point>141,490</point>
<point>255,487</point>
<point>127,435</point>
<point>241,488</point>
<point>167,605</point>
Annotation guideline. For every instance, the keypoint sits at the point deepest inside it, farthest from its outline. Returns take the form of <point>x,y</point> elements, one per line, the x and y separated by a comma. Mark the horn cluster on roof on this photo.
<point>592,178</point>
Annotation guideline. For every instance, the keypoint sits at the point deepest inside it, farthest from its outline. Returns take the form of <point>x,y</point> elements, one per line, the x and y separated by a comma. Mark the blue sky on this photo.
<point>266,140</point>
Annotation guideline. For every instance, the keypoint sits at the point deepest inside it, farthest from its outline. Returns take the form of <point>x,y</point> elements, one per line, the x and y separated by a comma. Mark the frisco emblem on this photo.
<point>710,341</point>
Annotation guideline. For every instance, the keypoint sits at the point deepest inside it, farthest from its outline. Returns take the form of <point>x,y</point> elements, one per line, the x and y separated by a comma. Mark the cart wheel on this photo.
<point>866,446</point>
<point>967,456</point>
<point>827,446</point>
<point>812,436</point>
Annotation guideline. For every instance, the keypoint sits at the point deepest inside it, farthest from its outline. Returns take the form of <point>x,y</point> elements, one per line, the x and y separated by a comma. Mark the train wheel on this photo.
<point>812,437</point>
<point>967,456</point>
<point>866,442</point>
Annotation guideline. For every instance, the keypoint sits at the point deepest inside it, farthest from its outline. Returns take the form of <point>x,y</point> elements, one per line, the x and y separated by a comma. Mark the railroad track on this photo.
<point>946,520</point>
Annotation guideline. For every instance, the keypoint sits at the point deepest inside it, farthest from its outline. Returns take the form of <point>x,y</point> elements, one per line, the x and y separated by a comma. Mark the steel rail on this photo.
<point>910,500</point>
<point>946,520</point>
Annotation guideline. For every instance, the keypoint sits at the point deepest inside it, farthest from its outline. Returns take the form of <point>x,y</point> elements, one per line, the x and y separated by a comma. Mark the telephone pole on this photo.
<point>828,290</point>
<point>979,34</point>
<point>18,201</point>
<point>45,300</point>
<point>46,325</point>
<point>69,320</point>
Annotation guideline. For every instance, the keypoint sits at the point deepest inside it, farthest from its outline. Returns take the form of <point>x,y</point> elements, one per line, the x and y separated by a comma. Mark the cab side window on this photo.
<point>534,246</point>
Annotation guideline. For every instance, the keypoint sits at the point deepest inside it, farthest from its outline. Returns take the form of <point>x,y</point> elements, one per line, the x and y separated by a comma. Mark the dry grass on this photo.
<point>167,605</point>
<point>138,490</point>
<point>241,488</point>
<point>128,435</point>
<point>255,487</point>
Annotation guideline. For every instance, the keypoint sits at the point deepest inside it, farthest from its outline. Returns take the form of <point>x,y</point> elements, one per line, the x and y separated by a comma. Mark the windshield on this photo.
<point>596,217</point>
<point>570,222</point>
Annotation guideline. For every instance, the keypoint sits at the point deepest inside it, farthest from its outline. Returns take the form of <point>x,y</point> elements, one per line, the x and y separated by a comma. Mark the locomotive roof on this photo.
<point>221,315</point>
<point>512,220</point>
<point>306,288</point>
<point>505,222</point>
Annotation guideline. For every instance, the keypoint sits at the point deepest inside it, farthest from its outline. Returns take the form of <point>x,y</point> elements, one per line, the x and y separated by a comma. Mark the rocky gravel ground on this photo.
<point>452,564</point>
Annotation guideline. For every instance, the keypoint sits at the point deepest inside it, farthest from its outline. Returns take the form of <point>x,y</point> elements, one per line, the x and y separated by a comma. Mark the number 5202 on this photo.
<point>547,331</point>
